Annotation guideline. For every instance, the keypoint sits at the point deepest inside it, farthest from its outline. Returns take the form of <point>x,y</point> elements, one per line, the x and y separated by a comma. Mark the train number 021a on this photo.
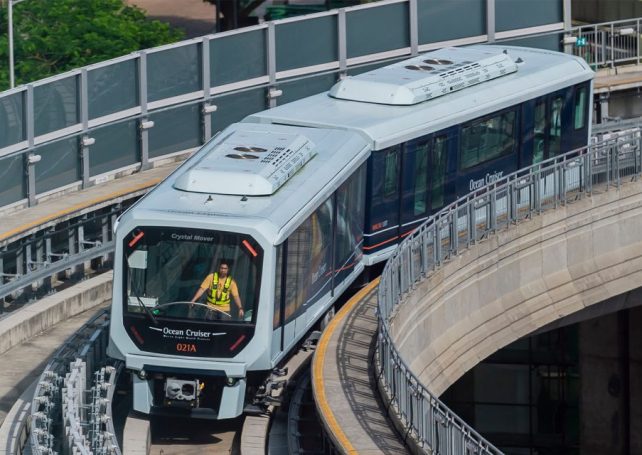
<point>185,347</point>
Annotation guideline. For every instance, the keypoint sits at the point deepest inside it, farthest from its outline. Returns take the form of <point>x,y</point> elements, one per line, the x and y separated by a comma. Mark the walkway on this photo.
<point>345,390</point>
<point>59,208</point>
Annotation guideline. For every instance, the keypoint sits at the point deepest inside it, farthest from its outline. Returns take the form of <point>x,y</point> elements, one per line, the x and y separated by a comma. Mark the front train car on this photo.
<point>219,224</point>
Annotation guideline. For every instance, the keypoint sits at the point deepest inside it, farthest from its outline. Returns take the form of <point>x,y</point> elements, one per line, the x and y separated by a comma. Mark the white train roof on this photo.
<point>250,163</point>
<point>425,77</point>
<point>295,170</point>
<point>538,72</point>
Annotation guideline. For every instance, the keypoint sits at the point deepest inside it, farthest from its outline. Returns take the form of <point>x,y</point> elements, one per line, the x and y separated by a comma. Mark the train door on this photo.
<point>383,194</point>
<point>578,127</point>
<point>534,143</point>
<point>414,183</point>
<point>427,183</point>
<point>442,169</point>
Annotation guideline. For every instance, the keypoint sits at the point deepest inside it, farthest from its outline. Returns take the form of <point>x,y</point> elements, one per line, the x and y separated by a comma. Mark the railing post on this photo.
<point>472,225</point>
<point>271,63</point>
<point>142,90</point>
<point>436,250</point>
<point>612,41</point>
<point>490,20</point>
<point>206,109</point>
<point>413,27</point>
<point>637,40</point>
<point>29,162</point>
<point>453,241</point>
<point>342,42</point>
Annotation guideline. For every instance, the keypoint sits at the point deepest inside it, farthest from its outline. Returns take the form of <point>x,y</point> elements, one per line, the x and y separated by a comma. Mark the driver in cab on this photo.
<point>221,289</point>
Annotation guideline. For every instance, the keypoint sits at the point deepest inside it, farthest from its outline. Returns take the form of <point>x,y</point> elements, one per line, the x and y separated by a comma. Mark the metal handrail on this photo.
<point>522,194</point>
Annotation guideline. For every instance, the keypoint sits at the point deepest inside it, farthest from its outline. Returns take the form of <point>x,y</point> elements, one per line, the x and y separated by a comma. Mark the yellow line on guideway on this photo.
<point>80,206</point>
<point>317,368</point>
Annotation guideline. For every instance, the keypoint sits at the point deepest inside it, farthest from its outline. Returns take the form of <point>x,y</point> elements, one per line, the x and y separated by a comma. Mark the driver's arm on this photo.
<point>234,290</point>
<point>204,286</point>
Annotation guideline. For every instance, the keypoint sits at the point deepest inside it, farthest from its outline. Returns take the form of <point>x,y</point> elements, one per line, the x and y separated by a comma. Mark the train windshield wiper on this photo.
<point>150,315</point>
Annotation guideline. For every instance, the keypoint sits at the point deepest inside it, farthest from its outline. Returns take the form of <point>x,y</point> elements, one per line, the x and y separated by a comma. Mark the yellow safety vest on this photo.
<point>224,297</point>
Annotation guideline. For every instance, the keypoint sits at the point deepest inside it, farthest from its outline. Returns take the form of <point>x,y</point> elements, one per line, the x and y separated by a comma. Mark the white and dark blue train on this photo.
<point>297,200</point>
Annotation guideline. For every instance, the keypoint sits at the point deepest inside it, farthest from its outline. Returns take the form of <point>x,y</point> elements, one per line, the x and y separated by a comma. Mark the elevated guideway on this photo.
<point>544,243</point>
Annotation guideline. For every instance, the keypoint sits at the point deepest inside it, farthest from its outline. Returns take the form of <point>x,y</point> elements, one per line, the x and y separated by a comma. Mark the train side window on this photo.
<point>579,113</point>
<point>391,172</point>
<point>438,171</point>
<point>487,139</point>
<point>421,179</point>
<point>309,261</point>
<point>539,133</point>
<point>350,206</point>
<point>276,320</point>
<point>555,129</point>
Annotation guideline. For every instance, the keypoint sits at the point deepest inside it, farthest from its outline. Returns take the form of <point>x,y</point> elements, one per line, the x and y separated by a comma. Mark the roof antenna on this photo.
<point>209,198</point>
<point>505,51</point>
<point>244,198</point>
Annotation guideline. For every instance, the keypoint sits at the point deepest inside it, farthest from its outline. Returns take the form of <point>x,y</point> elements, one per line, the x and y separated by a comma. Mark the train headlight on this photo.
<point>142,375</point>
<point>231,382</point>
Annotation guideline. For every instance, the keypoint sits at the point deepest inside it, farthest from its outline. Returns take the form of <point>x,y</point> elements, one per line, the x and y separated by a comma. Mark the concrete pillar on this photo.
<point>602,420</point>
<point>635,375</point>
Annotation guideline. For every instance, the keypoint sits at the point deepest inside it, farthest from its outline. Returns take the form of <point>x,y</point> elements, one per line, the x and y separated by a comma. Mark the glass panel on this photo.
<point>12,125</point>
<point>502,384</point>
<point>227,66</point>
<point>390,175</point>
<point>446,20</point>
<point>175,130</point>
<point>306,43</point>
<point>59,165</point>
<point>12,182</point>
<point>276,320</point>
<point>236,106</point>
<point>192,274</point>
<point>555,130</point>
<point>350,221</point>
<point>484,140</point>
<point>438,170</point>
<point>373,30</point>
<point>511,14</point>
<point>384,183</point>
<point>55,105</point>
<point>112,88</point>
<point>548,42</point>
<point>539,136</point>
<point>421,179</point>
<point>116,147</point>
<point>173,72</point>
<point>301,88</point>
<point>580,108</point>
<point>309,262</point>
<point>501,418</point>
<point>365,68</point>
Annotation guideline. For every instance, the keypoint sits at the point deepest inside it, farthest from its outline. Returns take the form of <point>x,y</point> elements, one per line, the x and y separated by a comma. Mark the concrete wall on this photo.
<point>520,280</point>
<point>39,316</point>
<point>611,395</point>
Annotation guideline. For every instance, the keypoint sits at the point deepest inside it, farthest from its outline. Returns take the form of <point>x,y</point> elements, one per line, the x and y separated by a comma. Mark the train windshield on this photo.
<point>191,274</point>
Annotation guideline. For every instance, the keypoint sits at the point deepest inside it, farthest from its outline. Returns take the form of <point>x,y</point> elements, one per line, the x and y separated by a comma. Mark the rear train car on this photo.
<point>448,122</point>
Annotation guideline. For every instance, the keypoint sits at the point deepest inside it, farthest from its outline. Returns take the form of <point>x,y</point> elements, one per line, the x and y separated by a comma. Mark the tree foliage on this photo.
<point>53,36</point>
